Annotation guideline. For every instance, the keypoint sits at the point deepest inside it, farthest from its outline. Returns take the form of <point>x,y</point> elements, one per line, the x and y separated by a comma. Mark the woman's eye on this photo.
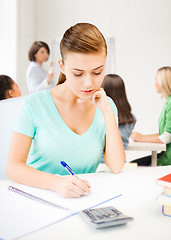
<point>97,73</point>
<point>77,74</point>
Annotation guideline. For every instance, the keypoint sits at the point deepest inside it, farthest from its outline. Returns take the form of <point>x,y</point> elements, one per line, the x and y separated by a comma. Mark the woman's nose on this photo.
<point>87,81</point>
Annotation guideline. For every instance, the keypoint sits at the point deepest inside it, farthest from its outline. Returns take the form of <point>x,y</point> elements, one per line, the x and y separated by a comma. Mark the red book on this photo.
<point>165,180</point>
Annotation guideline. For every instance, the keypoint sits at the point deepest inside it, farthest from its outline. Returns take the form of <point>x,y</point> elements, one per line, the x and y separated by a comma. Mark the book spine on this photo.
<point>165,213</point>
<point>167,191</point>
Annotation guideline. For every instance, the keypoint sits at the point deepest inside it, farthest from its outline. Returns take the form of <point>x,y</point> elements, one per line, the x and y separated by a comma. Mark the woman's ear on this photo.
<point>61,66</point>
<point>10,93</point>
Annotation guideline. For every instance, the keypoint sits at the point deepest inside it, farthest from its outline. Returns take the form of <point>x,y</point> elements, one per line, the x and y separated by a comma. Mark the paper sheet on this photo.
<point>20,216</point>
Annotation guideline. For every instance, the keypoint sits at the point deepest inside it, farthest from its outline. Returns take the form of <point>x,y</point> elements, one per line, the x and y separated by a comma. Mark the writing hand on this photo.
<point>72,187</point>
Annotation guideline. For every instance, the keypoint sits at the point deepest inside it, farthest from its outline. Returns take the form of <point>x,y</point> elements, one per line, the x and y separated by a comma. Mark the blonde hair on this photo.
<point>164,79</point>
<point>81,38</point>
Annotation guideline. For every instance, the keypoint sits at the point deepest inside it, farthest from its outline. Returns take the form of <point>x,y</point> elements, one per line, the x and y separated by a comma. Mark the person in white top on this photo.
<point>37,78</point>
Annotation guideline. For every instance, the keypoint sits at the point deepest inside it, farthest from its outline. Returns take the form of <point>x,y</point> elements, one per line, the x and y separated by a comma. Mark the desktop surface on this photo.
<point>139,192</point>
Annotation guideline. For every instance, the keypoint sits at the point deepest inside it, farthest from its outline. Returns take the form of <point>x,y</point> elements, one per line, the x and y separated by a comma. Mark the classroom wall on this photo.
<point>142,35</point>
<point>26,35</point>
<point>8,38</point>
<point>143,38</point>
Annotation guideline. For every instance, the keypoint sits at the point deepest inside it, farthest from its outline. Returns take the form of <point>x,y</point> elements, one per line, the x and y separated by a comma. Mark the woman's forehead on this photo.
<point>83,60</point>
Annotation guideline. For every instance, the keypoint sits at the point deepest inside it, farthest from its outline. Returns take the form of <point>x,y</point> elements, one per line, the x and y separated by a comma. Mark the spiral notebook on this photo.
<point>25,209</point>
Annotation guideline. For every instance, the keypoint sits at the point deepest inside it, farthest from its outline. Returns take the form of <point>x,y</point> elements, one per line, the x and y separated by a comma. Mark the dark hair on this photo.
<point>6,83</point>
<point>114,87</point>
<point>35,48</point>
<point>81,38</point>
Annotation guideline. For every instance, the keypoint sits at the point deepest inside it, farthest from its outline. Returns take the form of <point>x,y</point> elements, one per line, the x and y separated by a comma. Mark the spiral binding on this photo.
<point>37,199</point>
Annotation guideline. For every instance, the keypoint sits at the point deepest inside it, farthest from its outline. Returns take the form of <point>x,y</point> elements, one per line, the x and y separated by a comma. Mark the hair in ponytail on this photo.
<point>81,38</point>
<point>61,78</point>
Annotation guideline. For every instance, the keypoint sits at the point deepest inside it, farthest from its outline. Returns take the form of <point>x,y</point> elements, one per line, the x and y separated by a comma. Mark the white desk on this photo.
<point>139,192</point>
<point>146,146</point>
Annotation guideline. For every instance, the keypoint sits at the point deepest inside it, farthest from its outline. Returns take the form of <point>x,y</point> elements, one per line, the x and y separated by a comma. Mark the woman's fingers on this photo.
<point>82,185</point>
<point>72,186</point>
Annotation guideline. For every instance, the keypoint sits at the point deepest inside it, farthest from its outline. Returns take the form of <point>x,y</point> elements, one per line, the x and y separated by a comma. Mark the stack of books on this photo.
<point>165,197</point>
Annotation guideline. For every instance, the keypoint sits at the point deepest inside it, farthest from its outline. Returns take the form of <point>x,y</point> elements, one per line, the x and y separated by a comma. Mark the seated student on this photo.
<point>74,121</point>
<point>115,88</point>
<point>8,88</point>
<point>163,87</point>
<point>36,76</point>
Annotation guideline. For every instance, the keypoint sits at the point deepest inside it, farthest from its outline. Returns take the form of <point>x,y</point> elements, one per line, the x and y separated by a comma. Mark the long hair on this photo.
<point>164,79</point>
<point>81,38</point>
<point>114,87</point>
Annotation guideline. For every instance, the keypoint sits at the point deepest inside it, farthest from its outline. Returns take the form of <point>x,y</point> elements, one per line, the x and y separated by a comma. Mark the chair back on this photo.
<point>8,110</point>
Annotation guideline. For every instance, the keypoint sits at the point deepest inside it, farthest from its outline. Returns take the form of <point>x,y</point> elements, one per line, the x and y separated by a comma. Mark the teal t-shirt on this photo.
<point>53,141</point>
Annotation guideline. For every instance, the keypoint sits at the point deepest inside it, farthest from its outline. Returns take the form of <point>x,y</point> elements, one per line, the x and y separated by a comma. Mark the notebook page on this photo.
<point>101,190</point>
<point>23,216</point>
<point>20,215</point>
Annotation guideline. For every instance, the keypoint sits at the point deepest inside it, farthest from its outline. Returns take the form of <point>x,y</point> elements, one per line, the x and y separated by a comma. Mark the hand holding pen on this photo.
<point>73,186</point>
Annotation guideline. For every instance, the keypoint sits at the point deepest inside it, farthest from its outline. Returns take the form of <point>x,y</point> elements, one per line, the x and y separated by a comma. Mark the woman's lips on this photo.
<point>87,91</point>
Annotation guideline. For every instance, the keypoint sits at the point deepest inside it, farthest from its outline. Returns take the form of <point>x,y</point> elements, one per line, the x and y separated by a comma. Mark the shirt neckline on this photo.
<point>64,125</point>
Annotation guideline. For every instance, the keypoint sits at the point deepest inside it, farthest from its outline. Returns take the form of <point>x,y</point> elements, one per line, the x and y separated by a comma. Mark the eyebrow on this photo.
<point>83,70</point>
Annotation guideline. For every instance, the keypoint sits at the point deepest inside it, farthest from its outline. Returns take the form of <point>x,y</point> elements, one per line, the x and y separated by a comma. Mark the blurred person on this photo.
<point>163,87</point>
<point>8,88</point>
<point>114,87</point>
<point>36,76</point>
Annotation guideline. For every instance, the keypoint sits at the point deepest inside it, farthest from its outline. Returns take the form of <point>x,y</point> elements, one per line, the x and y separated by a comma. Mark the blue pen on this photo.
<point>70,171</point>
<point>67,168</point>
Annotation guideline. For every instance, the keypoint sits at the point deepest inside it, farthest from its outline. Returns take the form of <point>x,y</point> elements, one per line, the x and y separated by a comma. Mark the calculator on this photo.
<point>105,217</point>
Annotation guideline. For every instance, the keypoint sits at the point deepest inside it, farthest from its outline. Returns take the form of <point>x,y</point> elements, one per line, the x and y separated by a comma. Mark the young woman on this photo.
<point>37,78</point>
<point>163,87</point>
<point>114,87</point>
<point>8,88</point>
<point>72,122</point>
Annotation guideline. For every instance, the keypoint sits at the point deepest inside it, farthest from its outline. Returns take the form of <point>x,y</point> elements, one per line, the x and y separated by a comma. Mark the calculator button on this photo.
<point>116,211</point>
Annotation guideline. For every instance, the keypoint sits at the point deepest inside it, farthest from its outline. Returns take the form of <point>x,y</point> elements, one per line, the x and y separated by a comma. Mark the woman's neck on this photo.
<point>40,63</point>
<point>165,96</point>
<point>63,92</point>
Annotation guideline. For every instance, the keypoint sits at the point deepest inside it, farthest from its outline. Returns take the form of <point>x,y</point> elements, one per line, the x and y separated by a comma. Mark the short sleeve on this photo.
<point>168,118</point>
<point>114,109</point>
<point>23,123</point>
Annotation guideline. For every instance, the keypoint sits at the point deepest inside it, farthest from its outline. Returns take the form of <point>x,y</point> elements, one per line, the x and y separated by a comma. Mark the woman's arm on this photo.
<point>114,153</point>
<point>35,81</point>
<point>138,137</point>
<point>18,171</point>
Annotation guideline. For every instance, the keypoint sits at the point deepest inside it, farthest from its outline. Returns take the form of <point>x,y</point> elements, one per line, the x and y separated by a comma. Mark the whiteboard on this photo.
<point>110,61</point>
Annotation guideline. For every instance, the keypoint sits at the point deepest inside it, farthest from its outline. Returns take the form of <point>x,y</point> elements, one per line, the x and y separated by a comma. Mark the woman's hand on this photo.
<point>99,99</point>
<point>72,187</point>
<point>50,77</point>
<point>137,137</point>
